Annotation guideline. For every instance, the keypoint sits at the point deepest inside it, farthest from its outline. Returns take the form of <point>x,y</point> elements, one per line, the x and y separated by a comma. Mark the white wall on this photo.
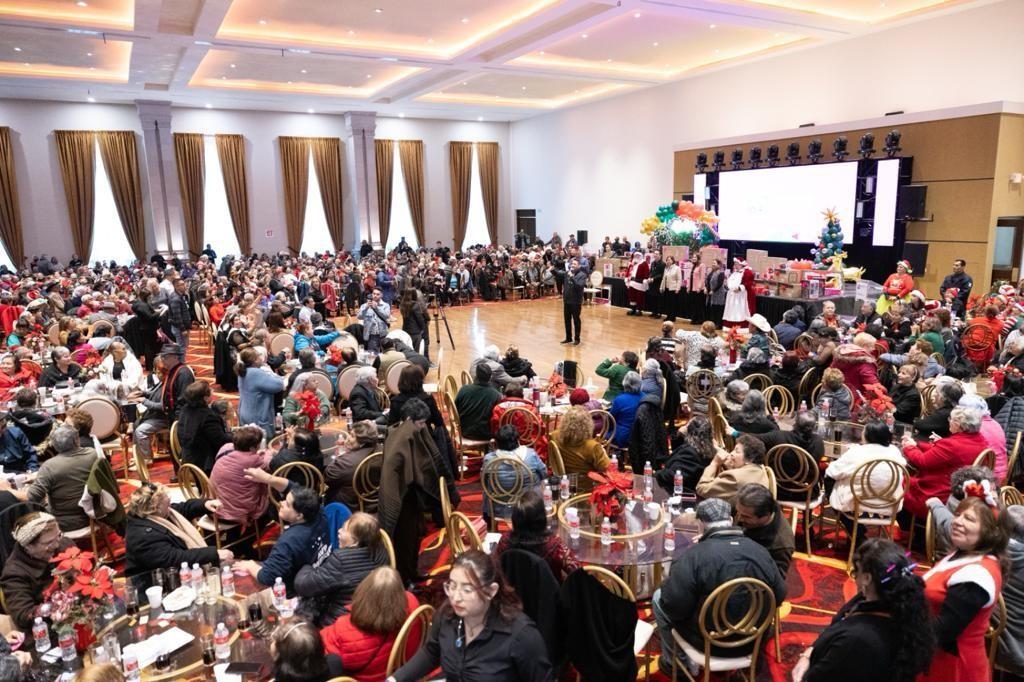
<point>606,166</point>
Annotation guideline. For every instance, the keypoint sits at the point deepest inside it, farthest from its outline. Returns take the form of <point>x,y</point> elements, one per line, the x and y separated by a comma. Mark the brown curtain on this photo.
<point>231,151</point>
<point>385,173</point>
<point>460,165</point>
<point>78,172</point>
<point>188,151</point>
<point>487,162</point>
<point>295,174</point>
<point>121,159</point>
<point>10,210</point>
<point>327,163</point>
<point>410,153</point>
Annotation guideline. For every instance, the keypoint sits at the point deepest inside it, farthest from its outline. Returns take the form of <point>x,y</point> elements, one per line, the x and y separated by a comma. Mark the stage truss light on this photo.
<point>867,145</point>
<point>839,148</point>
<point>892,143</point>
<point>755,157</point>
<point>702,162</point>
<point>718,160</point>
<point>793,153</point>
<point>773,155</point>
<point>814,151</point>
<point>737,158</point>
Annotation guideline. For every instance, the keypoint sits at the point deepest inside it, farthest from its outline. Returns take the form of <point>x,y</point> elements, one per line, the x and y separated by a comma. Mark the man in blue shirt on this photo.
<point>16,452</point>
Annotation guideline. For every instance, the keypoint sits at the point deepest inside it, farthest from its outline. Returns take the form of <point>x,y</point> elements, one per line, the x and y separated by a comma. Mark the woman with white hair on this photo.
<point>492,358</point>
<point>991,431</point>
<point>120,366</point>
<point>753,415</point>
<point>306,405</point>
<point>623,408</point>
<point>651,378</point>
<point>936,462</point>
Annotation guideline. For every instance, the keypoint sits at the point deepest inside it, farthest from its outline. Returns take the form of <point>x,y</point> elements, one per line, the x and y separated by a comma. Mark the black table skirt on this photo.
<point>618,291</point>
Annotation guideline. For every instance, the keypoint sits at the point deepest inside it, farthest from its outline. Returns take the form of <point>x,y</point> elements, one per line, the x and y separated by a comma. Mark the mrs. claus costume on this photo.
<point>740,300</point>
<point>636,283</point>
<point>898,285</point>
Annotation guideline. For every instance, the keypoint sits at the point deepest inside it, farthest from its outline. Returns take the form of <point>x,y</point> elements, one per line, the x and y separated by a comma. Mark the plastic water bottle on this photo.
<point>677,483</point>
<point>66,642</point>
<point>613,465</point>
<point>198,579</point>
<point>131,668</point>
<point>606,532</point>
<point>227,582</point>
<point>670,537</point>
<point>648,494</point>
<point>648,475</point>
<point>41,634</point>
<point>546,493</point>
<point>803,405</point>
<point>573,519</point>
<point>281,598</point>
<point>221,645</point>
<point>278,424</point>
<point>563,488</point>
<point>185,575</point>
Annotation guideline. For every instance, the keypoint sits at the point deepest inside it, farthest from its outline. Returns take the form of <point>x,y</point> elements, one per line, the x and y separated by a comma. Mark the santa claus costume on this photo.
<point>897,287</point>
<point>636,283</point>
<point>740,300</point>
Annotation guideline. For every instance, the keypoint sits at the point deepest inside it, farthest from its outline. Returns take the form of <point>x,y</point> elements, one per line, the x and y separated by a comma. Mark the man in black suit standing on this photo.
<point>572,300</point>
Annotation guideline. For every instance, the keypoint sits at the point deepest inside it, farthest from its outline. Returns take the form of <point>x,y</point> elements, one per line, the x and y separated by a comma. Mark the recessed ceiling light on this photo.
<point>232,66</point>
<point>464,83</point>
<point>289,82</point>
<point>369,75</point>
<point>90,98</point>
<point>223,78</point>
<point>777,35</point>
<point>262,22</point>
<point>209,106</point>
<point>655,44</point>
<point>88,54</point>
<point>92,68</point>
<point>17,49</point>
<point>524,87</point>
<point>378,10</point>
<point>609,61</point>
<point>310,111</point>
<point>465,20</point>
<point>541,52</point>
<point>303,71</point>
<point>636,15</point>
<point>401,115</point>
<point>82,3</point>
<point>717,51</point>
<point>430,41</point>
<point>479,118</point>
<point>26,64</point>
<point>351,32</point>
<point>713,26</point>
<point>575,90</point>
<point>584,36</point>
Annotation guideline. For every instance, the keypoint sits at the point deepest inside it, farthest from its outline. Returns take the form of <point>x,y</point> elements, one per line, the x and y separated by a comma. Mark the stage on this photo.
<point>771,307</point>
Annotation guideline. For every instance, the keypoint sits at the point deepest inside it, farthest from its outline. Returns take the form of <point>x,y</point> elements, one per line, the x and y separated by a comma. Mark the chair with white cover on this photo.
<point>593,287</point>
<point>346,340</point>
<point>877,487</point>
<point>347,381</point>
<point>107,426</point>
<point>53,334</point>
<point>402,336</point>
<point>721,628</point>
<point>394,372</point>
<point>322,381</point>
<point>279,341</point>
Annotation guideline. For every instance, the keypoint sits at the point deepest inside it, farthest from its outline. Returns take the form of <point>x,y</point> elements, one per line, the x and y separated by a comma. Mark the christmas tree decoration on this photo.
<point>830,243</point>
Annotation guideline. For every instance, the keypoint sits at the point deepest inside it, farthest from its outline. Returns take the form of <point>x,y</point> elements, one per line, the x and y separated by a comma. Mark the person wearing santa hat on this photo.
<point>636,283</point>
<point>897,286</point>
<point>739,301</point>
<point>961,283</point>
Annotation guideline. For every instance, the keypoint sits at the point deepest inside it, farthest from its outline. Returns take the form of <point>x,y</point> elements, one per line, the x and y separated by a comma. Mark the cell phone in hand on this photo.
<point>243,668</point>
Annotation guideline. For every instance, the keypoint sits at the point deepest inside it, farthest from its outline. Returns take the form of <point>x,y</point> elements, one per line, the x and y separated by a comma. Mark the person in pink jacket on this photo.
<point>244,500</point>
<point>857,362</point>
<point>991,431</point>
<point>935,462</point>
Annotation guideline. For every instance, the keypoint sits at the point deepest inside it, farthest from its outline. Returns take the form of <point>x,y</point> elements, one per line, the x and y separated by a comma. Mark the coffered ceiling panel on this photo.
<point>299,73</point>
<point>118,14</point>
<point>34,53</point>
<point>866,11</point>
<point>648,44</point>
<point>439,28</point>
<point>524,90</point>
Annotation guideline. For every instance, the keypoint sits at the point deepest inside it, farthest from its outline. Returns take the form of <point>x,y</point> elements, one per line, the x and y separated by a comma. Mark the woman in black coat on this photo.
<point>415,321</point>
<point>689,457</point>
<point>883,633</point>
<point>648,441</point>
<point>516,366</point>
<point>904,395</point>
<point>410,385</point>
<point>201,431</point>
<point>147,323</point>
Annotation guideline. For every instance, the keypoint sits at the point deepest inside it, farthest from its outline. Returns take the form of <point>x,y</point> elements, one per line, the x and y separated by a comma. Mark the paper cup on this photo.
<point>155,595</point>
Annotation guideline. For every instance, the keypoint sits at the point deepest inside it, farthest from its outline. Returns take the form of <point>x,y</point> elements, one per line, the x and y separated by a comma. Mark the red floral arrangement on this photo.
<point>557,387</point>
<point>610,491</point>
<point>309,407</point>
<point>877,404</point>
<point>88,358</point>
<point>79,588</point>
<point>735,338</point>
<point>334,355</point>
<point>998,375</point>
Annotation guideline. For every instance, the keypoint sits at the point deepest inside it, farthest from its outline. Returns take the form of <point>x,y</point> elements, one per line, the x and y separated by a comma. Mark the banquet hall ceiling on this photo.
<point>495,59</point>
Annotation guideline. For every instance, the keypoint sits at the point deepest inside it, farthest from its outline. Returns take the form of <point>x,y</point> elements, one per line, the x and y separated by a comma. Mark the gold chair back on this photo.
<point>804,344</point>
<point>997,624</point>
<point>458,523</point>
<point>877,487</point>
<point>703,385</point>
<point>929,539</point>
<point>498,492</point>
<point>721,432</point>
<point>1009,496</point>
<point>451,386</point>
<point>528,422</point>
<point>938,357</point>
<point>807,382</point>
<point>312,478</point>
<point>400,653</point>
<point>555,458</point>
<point>446,501</point>
<point>779,397</point>
<point>389,547</point>
<point>773,487</point>
<point>106,416</point>
<point>715,408</point>
<point>611,582</point>
<point>383,399</point>
<point>366,480</point>
<point>141,468</point>
<point>758,381</point>
<point>796,470</point>
<point>194,483</point>
<point>606,432</point>
<point>465,378</point>
<point>1011,463</point>
<point>986,458</point>
<point>175,444</point>
<point>927,404</point>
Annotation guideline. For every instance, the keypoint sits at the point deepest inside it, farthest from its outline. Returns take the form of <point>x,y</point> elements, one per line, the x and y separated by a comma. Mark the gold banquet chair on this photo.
<point>796,472</point>
<point>423,615</point>
<point>873,504</point>
<point>366,480</point>
<point>499,493</point>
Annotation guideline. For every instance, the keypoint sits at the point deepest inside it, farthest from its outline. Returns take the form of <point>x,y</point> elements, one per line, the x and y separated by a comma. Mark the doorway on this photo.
<point>526,223</point>
<point>1008,244</point>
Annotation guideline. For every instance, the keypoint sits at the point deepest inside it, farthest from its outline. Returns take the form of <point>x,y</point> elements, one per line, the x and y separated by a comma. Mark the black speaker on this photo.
<point>917,254</point>
<point>569,372</point>
<point>581,237</point>
<point>910,204</point>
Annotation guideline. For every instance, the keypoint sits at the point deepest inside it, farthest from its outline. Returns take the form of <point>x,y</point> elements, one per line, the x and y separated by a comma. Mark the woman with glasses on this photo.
<point>26,572</point>
<point>480,632</point>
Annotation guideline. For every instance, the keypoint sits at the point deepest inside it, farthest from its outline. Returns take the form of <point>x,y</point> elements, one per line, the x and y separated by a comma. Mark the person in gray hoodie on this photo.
<point>1010,654</point>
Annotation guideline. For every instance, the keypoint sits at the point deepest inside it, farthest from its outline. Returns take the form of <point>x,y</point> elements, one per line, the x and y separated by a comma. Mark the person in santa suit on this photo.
<point>636,283</point>
<point>897,286</point>
<point>739,301</point>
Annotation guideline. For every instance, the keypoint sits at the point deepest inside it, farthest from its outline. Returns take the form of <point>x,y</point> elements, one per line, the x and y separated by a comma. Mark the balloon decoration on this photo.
<point>830,242</point>
<point>682,223</point>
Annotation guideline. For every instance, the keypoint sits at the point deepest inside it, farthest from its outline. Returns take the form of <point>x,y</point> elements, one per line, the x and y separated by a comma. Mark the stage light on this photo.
<point>793,153</point>
<point>892,143</point>
<point>702,162</point>
<point>755,157</point>
<point>737,158</point>
<point>773,155</point>
<point>839,148</point>
<point>718,160</point>
<point>867,145</point>
<point>814,151</point>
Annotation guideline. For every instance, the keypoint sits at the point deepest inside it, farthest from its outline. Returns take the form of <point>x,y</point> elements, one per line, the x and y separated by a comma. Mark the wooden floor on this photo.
<point>536,327</point>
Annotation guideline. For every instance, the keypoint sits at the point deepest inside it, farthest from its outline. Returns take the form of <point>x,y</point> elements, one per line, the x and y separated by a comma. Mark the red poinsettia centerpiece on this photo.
<point>334,355</point>
<point>610,492</point>
<point>309,407</point>
<point>734,340</point>
<point>877,404</point>
<point>78,592</point>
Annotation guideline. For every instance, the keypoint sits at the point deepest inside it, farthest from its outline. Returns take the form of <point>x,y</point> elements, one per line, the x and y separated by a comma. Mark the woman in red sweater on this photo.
<point>364,637</point>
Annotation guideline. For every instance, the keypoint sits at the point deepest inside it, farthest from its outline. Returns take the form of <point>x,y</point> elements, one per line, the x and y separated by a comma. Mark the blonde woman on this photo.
<point>581,453</point>
<point>837,393</point>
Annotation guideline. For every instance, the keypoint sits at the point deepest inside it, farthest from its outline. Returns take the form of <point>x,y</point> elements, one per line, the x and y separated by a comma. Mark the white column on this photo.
<point>361,169</point>
<point>162,175</point>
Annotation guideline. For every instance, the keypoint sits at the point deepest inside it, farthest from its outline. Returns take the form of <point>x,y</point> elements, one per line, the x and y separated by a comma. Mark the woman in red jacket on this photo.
<point>364,637</point>
<point>12,377</point>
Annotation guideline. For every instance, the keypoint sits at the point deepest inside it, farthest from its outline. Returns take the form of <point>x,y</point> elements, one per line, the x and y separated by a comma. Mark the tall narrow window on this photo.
<point>476,226</point>
<point>220,232</point>
<point>401,218</point>
<point>107,233</point>
<point>316,236</point>
<point>5,259</point>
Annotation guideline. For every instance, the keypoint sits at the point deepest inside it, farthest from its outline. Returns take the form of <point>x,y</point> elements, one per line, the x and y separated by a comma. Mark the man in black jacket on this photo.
<point>572,300</point>
<point>722,554</point>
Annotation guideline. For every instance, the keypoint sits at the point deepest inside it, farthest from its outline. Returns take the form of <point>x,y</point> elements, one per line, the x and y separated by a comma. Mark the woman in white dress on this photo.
<point>737,311</point>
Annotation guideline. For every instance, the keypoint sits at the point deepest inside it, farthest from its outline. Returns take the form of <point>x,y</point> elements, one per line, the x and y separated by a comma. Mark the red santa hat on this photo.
<point>906,266</point>
<point>931,305</point>
<point>918,294</point>
<point>739,261</point>
<point>1008,290</point>
<point>952,291</point>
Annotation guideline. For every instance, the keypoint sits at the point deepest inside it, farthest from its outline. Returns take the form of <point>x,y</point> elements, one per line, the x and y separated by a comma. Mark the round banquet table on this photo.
<point>637,551</point>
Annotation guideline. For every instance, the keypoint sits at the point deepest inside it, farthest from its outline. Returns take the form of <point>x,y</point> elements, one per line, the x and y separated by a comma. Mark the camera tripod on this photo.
<point>438,311</point>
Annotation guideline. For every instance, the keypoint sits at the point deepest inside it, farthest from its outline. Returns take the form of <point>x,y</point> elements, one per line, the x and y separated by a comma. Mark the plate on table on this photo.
<point>179,599</point>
